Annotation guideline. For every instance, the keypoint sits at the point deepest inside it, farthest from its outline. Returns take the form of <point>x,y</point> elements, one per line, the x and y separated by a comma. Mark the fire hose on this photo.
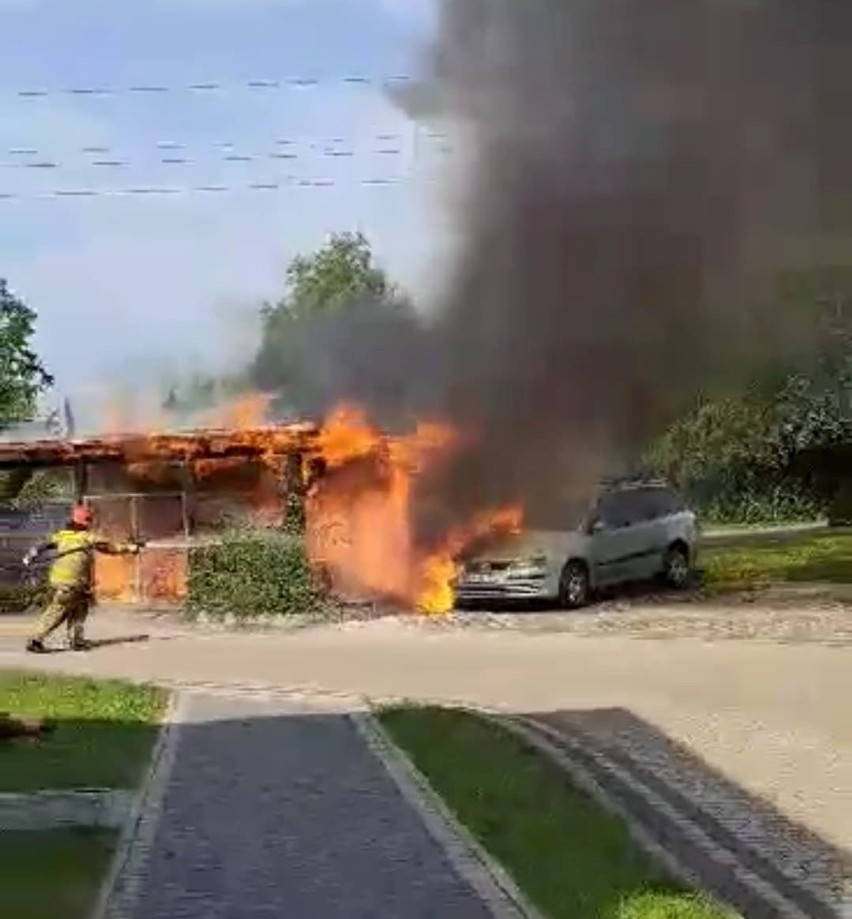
<point>30,574</point>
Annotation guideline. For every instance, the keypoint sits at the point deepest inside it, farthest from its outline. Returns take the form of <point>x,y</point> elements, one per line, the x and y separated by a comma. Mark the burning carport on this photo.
<point>172,490</point>
<point>354,486</point>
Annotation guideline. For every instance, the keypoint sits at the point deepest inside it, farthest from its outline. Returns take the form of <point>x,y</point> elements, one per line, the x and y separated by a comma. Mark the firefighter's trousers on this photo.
<point>69,605</point>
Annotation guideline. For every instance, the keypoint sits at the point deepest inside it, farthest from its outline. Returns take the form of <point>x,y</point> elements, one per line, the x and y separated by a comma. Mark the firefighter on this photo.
<point>71,578</point>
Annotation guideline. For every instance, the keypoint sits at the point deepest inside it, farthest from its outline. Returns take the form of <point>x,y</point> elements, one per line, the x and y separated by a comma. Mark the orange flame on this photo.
<point>359,519</point>
<point>155,576</point>
<point>142,415</point>
<point>116,578</point>
<point>359,514</point>
<point>346,436</point>
<point>437,572</point>
<point>247,412</point>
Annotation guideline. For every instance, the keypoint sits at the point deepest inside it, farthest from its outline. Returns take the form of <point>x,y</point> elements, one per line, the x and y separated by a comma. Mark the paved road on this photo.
<point>773,717</point>
<point>279,808</point>
<point>769,720</point>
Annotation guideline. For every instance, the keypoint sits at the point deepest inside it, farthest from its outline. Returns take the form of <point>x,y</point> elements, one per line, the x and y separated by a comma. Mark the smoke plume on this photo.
<point>636,174</point>
<point>639,172</point>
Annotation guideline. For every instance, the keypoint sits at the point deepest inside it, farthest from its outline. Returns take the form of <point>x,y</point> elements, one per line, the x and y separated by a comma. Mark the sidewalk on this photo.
<point>275,808</point>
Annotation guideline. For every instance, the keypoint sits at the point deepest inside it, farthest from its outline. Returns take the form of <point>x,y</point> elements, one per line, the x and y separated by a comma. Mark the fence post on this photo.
<point>81,480</point>
<point>137,559</point>
<point>294,491</point>
<point>187,494</point>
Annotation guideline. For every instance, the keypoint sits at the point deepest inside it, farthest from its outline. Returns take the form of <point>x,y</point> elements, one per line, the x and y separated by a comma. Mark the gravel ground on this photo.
<point>794,616</point>
<point>825,624</point>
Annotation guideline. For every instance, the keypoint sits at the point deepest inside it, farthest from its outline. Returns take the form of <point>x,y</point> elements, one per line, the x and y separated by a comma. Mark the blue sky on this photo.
<point>139,286</point>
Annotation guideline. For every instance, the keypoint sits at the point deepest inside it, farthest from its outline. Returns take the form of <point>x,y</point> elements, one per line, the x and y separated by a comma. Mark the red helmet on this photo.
<point>82,515</point>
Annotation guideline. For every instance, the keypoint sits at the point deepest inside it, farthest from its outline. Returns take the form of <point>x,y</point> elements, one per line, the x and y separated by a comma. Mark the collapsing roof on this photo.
<point>160,447</point>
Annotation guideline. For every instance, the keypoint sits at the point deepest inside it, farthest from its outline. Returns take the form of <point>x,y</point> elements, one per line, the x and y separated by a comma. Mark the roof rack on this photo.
<point>634,481</point>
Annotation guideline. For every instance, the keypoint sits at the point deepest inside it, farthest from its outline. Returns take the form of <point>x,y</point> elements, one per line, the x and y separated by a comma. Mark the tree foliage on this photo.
<point>334,277</point>
<point>753,455</point>
<point>339,276</point>
<point>22,374</point>
<point>306,348</point>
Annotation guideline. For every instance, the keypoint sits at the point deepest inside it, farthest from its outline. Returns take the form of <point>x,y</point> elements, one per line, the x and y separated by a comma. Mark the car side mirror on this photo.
<point>595,526</point>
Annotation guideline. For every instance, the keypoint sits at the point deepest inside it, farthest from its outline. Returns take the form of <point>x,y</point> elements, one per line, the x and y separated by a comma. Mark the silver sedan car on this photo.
<point>633,532</point>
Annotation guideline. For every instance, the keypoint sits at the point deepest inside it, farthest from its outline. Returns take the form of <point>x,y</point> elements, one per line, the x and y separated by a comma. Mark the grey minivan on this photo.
<point>634,531</point>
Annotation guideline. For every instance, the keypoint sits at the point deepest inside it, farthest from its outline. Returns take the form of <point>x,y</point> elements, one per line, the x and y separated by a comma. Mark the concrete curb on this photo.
<point>470,860</point>
<point>54,810</point>
<point>764,899</point>
<point>120,889</point>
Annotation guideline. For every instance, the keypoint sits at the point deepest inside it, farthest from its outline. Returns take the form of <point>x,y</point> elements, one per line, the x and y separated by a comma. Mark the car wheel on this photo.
<point>676,567</point>
<point>574,587</point>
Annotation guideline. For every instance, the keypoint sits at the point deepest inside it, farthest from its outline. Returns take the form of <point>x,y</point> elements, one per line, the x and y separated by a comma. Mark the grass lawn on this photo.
<point>103,737</point>
<point>822,557</point>
<point>53,873</point>
<point>571,858</point>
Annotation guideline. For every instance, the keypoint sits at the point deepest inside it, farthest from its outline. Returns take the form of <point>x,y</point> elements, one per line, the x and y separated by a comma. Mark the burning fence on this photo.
<point>355,484</point>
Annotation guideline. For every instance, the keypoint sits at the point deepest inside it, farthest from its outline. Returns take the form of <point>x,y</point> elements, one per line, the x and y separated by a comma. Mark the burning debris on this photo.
<point>358,484</point>
<point>360,513</point>
<point>139,450</point>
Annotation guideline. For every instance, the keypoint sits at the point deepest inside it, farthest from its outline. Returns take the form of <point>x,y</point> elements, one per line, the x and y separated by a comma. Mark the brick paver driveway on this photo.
<point>278,808</point>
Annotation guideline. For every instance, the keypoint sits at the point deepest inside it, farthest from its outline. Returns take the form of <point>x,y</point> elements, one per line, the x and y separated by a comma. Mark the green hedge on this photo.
<point>753,506</point>
<point>21,597</point>
<point>251,575</point>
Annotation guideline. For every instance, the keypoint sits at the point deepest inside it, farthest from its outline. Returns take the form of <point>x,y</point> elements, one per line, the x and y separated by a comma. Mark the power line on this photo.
<point>186,161</point>
<point>120,163</point>
<point>179,153</point>
<point>153,191</point>
<point>205,87</point>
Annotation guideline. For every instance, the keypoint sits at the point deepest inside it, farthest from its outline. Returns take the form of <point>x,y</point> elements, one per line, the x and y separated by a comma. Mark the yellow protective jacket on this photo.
<point>74,561</point>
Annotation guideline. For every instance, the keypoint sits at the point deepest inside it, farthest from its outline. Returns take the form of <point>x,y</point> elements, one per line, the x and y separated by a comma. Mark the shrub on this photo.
<point>252,575</point>
<point>18,598</point>
<point>769,505</point>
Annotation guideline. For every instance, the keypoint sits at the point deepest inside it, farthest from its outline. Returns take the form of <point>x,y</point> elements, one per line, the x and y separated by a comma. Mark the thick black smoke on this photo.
<point>376,353</point>
<point>637,174</point>
<point>640,171</point>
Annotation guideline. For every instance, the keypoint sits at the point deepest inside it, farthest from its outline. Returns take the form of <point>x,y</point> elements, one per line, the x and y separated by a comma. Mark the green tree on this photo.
<point>768,452</point>
<point>22,377</point>
<point>329,293</point>
<point>334,277</point>
<point>22,374</point>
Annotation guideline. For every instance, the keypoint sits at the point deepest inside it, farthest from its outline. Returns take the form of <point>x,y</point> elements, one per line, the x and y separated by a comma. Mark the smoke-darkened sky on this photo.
<point>639,173</point>
<point>636,174</point>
